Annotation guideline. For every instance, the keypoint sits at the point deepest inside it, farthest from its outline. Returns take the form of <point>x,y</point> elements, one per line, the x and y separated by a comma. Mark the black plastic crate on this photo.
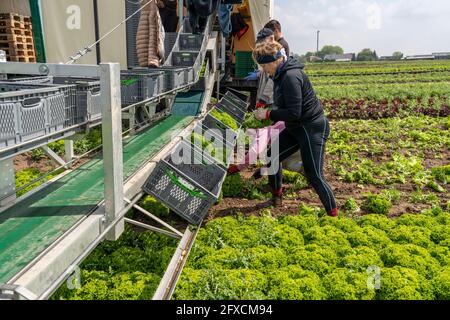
<point>191,42</point>
<point>220,129</point>
<point>237,100</point>
<point>174,77</point>
<point>184,58</point>
<point>234,111</point>
<point>170,41</point>
<point>140,84</point>
<point>188,188</point>
<point>222,149</point>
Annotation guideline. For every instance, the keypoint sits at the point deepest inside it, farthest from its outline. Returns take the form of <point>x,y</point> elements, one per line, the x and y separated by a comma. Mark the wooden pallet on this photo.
<point>15,38</point>
<point>12,24</point>
<point>18,46</point>
<point>16,17</point>
<point>19,52</point>
<point>17,31</point>
<point>21,58</point>
<point>10,16</point>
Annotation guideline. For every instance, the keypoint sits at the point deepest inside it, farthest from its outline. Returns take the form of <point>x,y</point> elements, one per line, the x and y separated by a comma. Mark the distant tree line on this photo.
<point>365,54</point>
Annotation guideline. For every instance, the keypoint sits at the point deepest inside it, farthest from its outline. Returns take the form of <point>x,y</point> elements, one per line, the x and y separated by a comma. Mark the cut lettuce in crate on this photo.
<point>225,118</point>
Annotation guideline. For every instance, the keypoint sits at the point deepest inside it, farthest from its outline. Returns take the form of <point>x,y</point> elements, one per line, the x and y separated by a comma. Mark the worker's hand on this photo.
<point>262,114</point>
<point>252,76</point>
<point>260,105</point>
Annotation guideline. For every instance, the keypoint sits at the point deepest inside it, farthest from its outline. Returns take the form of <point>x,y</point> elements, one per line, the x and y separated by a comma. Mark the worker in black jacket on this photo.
<point>307,128</point>
<point>168,13</point>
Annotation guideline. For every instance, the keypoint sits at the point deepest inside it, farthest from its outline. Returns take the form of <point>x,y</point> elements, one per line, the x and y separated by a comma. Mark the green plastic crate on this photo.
<point>244,64</point>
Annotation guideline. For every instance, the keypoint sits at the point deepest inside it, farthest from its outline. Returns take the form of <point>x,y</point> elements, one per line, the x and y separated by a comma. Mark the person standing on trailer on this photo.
<point>307,127</point>
<point>168,13</point>
<point>275,26</point>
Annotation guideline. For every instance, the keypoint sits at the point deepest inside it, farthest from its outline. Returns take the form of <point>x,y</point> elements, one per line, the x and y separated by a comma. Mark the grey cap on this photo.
<point>263,34</point>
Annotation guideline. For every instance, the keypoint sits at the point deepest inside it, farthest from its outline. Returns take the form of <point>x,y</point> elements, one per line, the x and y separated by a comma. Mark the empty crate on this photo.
<point>191,42</point>
<point>88,98</point>
<point>170,42</point>
<point>243,104</point>
<point>184,59</point>
<point>140,84</point>
<point>174,77</point>
<point>228,107</point>
<point>30,111</point>
<point>190,187</point>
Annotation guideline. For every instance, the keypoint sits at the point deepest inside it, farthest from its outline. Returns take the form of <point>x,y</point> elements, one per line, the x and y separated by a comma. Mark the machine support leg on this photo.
<point>68,152</point>
<point>112,146</point>
<point>8,182</point>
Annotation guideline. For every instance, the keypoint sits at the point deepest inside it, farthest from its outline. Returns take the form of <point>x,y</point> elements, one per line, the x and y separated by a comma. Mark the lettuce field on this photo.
<point>388,161</point>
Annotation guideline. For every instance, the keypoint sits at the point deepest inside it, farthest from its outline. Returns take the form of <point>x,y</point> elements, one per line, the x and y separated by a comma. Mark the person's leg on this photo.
<point>173,21</point>
<point>312,142</point>
<point>287,146</point>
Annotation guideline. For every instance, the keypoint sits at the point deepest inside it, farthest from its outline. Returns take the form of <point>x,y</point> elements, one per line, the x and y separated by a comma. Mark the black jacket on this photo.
<point>285,45</point>
<point>294,96</point>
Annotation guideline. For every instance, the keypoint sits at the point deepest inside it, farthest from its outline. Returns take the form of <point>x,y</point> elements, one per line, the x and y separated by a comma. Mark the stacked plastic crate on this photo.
<point>16,37</point>
<point>88,105</point>
<point>190,179</point>
<point>244,64</point>
<point>29,111</point>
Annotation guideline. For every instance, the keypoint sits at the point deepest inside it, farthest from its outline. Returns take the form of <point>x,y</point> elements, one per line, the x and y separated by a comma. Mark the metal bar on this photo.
<point>170,279</point>
<point>31,192</point>
<point>112,144</point>
<point>52,154</point>
<point>69,154</point>
<point>50,69</point>
<point>97,32</point>
<point>54,170</point>
<point>38,32</point>
<point>151,228</point>
<point>7,182</point>
<point>168,226</point>
<point>47,250</point>
<point>88,250</point>
<point>36,140</point>
<point>180,14</point>
<point>132,120</point>
<point>162,95</point>
<point>15,292</point>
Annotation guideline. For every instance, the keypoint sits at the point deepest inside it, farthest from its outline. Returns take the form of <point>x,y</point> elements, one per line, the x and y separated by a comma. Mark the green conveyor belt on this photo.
<point>30,226</point>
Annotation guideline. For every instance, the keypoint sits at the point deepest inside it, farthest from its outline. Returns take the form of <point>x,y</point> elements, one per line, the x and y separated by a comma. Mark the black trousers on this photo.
<point>310,139</point>
<point>169,19</point>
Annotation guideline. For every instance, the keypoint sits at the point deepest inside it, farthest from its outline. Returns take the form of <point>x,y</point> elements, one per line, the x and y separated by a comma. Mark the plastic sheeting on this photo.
<point>262,11</point>
<point>65,33</point>
<point>69,26</point>
<point>21,7</point>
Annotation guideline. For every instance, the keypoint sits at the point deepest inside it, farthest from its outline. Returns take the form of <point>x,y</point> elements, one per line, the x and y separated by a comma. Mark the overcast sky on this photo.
<point>410,26</point>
